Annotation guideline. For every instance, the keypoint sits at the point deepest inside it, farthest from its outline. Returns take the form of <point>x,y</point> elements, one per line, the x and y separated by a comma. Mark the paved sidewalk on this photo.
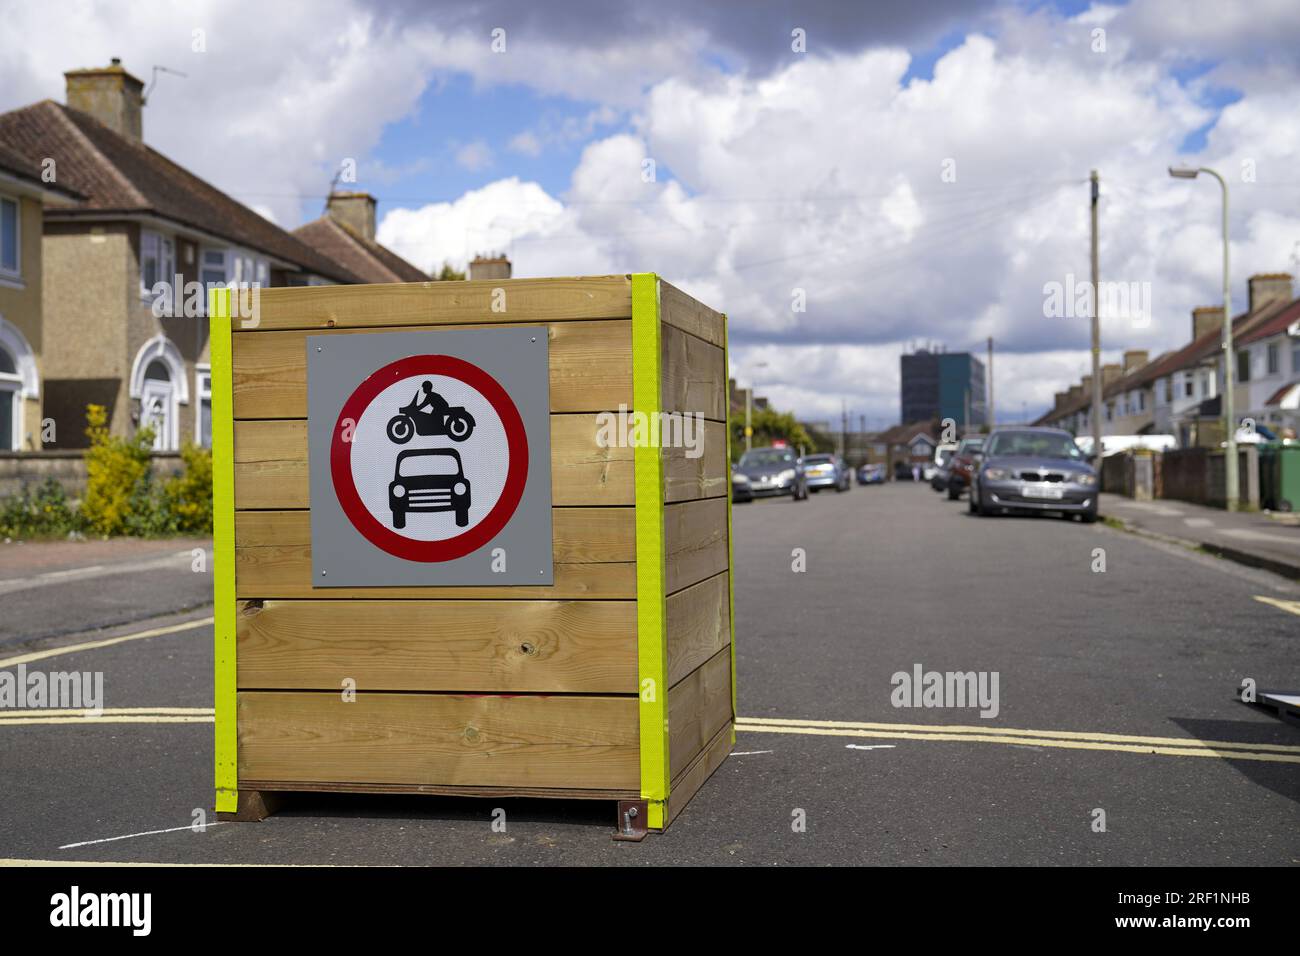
<point>1249,537</point>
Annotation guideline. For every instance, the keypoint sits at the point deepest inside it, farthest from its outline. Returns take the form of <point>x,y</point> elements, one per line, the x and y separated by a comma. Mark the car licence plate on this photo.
<point>1041,491</point>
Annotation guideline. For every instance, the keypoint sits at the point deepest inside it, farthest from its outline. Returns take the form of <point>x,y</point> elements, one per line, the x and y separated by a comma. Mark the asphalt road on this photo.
<point>896,576</point>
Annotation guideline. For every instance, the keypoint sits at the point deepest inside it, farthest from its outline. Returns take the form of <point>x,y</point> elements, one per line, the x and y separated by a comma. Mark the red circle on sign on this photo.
<point>516,475</point>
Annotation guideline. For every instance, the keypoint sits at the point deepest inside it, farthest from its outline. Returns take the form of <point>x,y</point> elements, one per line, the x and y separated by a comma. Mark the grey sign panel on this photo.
<point>430,458</point>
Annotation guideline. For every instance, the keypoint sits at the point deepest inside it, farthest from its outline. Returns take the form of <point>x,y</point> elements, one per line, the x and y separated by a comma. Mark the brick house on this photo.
<point>138,220</point>
<point>23,196</point>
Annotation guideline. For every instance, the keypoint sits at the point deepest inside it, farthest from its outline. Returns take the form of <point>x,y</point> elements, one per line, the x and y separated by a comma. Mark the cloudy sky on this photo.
<point>919,170</point>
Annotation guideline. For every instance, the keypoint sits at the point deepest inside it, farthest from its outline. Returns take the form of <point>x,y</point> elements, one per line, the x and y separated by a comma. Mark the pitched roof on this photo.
<point>119,175</point>
<point>1281,393</point>
<point>1277,325</point>
<point>359,255</point>
<point>20,167</point>
<point>1244,329</point>
<point>903,434</point>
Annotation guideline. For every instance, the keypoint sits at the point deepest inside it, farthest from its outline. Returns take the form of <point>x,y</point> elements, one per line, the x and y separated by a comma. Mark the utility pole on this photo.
<point>844,429</point>
<point>991,416</point>
<point>1096,330</point>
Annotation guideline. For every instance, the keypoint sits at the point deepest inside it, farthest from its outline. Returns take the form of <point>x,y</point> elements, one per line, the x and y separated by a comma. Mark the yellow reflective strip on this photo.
<point>223,550</point>
<point>651,576</point>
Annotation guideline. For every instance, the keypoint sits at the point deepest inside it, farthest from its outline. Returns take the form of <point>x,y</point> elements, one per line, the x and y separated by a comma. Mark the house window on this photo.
<point>1243,365</point>
<point>203,389</point>
<point>1169,391</point>
<point>9,237</point>
<point>1142,401</point>
<point>1272,358</point>
<point>157,261</point>
<point>1189,387</point>
<point>10,405</point>
<point>1295,358</point>
<point>214,271</point>
<point>1110,411</point>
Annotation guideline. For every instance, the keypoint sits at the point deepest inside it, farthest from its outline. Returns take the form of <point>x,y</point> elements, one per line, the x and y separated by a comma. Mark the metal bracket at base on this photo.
<point>633,817</point>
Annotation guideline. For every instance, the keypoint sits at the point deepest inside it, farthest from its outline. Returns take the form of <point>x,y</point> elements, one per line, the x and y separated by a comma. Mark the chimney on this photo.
<point>1074,393</point>
<point>1269,287</point>
<point>1206,318</point>
<point>1134,359</point>
<point>109,94</point>
<point>354,210</point>
<point>1085,383</point>
<point>1060,399</point>
<point>1110,373</point>
<point>496,266</point>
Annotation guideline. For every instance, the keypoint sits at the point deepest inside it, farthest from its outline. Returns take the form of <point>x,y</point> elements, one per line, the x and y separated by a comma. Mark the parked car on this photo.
<point>959,468</point>
<point>767,472</point>
<point>942,456</point>
<point>871,474</point>
<point>1034,469</point>
<point>826,471</point>
<point>903,471</point>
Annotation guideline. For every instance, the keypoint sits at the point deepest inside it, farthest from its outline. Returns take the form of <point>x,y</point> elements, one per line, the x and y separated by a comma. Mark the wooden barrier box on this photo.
<point>615,682</point>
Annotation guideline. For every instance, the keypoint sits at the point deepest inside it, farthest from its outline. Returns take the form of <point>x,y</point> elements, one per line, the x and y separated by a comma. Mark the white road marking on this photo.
<point>129,836</point>
<point>750,753</point>
<point>1198,522</point>
<point>870,746</point>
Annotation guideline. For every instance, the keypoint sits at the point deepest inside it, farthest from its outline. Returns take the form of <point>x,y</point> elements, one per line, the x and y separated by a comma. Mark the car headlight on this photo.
<point>995,474</point>
<point>787,475</point>
<point>398,491</point>
<point>1087,480</point>
<point>738,479</point>
<point>459,488</point>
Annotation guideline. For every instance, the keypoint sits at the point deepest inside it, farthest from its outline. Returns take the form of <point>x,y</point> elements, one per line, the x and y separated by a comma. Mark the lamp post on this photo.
<point>749,406</point>
<point>1229,354</point>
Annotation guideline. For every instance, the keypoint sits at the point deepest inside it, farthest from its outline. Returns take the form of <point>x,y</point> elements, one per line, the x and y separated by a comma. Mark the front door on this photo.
<point>158,412</point>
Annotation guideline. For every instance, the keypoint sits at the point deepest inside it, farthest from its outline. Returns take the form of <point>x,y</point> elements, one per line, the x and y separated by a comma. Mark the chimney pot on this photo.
<point>490,267</point>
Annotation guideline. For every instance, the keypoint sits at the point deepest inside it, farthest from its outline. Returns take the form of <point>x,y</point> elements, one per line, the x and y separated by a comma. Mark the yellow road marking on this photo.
<point>1021,742</point>
<point>1292,606</point>
<point>107,642</point>
<point>18,862</point>
<point>111,719</point>
<point>1181,742</point>
<point>74,712</point>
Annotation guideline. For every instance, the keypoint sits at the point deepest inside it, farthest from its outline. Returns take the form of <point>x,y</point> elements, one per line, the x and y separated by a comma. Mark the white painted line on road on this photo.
<point>749,753</point>
<point>1024,742</point>
<point>107,642</point>
<point>10,585</point>
<point>1292,606</point>
<point>130,836</point>
<point>15,861</point>
<point>1198,522</point>
<point>870,746</point>
<point>124,719</point>
<point>1010,732</point>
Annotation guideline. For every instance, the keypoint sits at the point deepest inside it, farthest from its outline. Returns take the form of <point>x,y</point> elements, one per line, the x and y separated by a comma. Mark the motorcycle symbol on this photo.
<point>429,414</point>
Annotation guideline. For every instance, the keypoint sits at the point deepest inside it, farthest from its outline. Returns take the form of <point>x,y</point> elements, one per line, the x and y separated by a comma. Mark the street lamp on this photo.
<point>1229,356</point>
<point>749,406</point>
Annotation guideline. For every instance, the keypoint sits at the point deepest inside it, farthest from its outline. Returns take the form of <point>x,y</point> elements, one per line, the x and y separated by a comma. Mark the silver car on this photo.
<point>1033,469</point>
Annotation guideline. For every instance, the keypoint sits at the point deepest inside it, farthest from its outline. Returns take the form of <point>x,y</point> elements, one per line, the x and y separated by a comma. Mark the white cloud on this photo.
<point>475,156</point>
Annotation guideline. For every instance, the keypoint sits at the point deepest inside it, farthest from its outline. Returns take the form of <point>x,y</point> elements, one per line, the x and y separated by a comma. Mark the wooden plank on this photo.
<point>690,780</point>
<point>590,365</point>
<point>690,315</point>
<point>442,303</point>
<point>436,790</point>
<point>594,558</point>
<point>557,647</point>
<point>694,375</point>
<point>705,476</point>
<point>698,625</point>
<point>439,739</point>
<point>271,465</point>
<point>698,705</point>
<point>695,541</point>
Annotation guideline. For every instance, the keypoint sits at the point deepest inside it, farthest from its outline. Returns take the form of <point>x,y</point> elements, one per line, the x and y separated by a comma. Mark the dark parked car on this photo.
<point>428,479</point>
<point>826,471</point>
<point>1034,469</point>
<point>766,472</point>
<point>959,466</point>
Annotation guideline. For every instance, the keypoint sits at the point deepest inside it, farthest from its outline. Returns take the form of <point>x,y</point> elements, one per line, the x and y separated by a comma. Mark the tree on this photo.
<point>447,273</point>
<point>770,425</point>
